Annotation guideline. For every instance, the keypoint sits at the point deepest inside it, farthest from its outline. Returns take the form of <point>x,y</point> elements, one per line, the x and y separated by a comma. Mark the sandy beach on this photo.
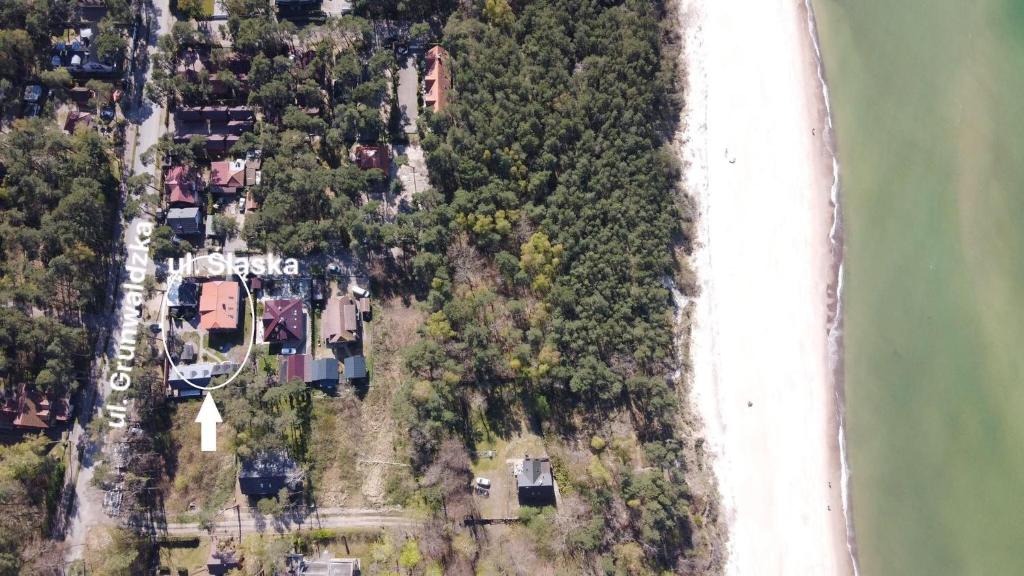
<point>757,162</point>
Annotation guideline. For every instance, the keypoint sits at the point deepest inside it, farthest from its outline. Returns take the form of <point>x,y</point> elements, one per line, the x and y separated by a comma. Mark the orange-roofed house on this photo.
<point>438,79</point>
<point>218,306</point>
<point>368,157</point>
<point>182,186</point>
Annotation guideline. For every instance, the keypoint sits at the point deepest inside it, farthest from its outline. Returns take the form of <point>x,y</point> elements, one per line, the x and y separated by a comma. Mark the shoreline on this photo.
<point>768,322</point>
<point>835,331</point>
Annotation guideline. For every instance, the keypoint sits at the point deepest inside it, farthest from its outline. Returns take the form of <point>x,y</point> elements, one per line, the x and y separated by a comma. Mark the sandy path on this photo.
<point>763,181</point>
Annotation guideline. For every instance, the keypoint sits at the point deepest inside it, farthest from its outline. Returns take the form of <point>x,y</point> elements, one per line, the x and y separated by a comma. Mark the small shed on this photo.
<point>355,368</point>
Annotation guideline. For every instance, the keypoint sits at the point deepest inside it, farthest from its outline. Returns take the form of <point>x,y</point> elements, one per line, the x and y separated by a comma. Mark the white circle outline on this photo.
<point>252,339</point>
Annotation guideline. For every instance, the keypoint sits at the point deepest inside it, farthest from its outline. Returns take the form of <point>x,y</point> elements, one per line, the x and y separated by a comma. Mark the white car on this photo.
<point>483,483</point>
<point>288,351</point>
<point>241,205</point>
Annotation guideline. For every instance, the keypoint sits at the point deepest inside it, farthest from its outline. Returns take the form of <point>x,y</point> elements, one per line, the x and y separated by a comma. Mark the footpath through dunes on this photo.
<point>757,162</point>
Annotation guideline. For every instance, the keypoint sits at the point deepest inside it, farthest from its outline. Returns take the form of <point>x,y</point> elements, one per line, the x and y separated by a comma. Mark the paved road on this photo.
<point>87,501</point>
<point>230,522</point>
<point>408,81</point>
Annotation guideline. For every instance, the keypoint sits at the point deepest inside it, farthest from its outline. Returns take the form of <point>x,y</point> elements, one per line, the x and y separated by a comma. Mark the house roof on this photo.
<point>267,472</point>
<point>218,305</point>
<point>180,184</point>
<point>355,367</point>
<point>76,119</point>
<point>323,370</point>
<point>292,367</point>
<point>437,79</point>
<point>535,472</point>
<point>339,322</point>
<point>228,173</point>
<point>30,409</point>
<point>181,293</point>
<point>283,321</point>
<point>368,157</point>
<point>184,220</point>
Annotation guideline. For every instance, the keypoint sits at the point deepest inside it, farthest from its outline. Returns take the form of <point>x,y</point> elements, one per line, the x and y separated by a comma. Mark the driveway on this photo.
<point>408,82</point>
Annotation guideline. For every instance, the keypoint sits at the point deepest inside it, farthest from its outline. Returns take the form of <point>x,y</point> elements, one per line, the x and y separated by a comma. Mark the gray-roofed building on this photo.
<point>179,376</point>
<point>267,473</point>
<point>182,297</point>
<point>536,486</point>
<point>185,221</point>
<point>355,368</point>
<point>325,565</point>
<point>323,373</point>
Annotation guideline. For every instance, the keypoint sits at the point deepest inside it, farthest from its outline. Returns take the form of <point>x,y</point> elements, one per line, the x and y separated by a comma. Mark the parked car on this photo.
<point>482,483</point>
<point>361,292</point>
<point>288,351</point>
<point>241,205</point>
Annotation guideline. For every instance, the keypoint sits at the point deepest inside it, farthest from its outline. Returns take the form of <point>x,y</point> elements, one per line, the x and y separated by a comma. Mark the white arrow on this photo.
<point>208,418</point>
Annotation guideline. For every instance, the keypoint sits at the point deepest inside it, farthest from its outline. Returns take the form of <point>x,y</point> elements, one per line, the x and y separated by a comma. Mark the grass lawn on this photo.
<point>208,8</point>
<point>186,558</point>
<point>202,481</point>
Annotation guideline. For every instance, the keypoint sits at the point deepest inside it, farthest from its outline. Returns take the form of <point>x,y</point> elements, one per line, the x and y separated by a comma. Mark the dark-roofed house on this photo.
<point>323,373</point>
<point>355,368</point>
<point>535,483</point>
<point>292,367</point>
<point>185,221</point>
<point>76,120</point>
<point>267,473</point>
<point>30,410</point>
<point>182,298</point>
<point>368,157</point>
<point>340,322</point>
<point>283,321</point>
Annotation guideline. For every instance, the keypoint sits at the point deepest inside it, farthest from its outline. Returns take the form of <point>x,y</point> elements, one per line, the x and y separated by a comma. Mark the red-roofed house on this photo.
<point>182,186</point>
<point>438,79</point>
<point>368,157</point>
<point>30,410</point>
<point>283,321</point>
<point>292,368</point>
<point>227,176</point>
<point>218,306</point>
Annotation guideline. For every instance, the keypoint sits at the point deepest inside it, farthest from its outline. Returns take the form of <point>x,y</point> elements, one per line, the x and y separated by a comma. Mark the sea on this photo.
<point>927,104</point>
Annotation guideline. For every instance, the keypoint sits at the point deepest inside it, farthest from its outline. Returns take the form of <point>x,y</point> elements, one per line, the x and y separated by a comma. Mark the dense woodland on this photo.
<point>546,253</point>
<point>57,202</point>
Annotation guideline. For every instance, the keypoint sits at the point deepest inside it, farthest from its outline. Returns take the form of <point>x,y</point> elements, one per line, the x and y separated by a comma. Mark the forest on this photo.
<point>57,206</point>
<point>546,254</point>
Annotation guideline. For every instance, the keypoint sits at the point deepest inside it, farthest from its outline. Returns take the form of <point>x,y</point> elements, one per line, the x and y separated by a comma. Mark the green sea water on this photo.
<point>928,105</point>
